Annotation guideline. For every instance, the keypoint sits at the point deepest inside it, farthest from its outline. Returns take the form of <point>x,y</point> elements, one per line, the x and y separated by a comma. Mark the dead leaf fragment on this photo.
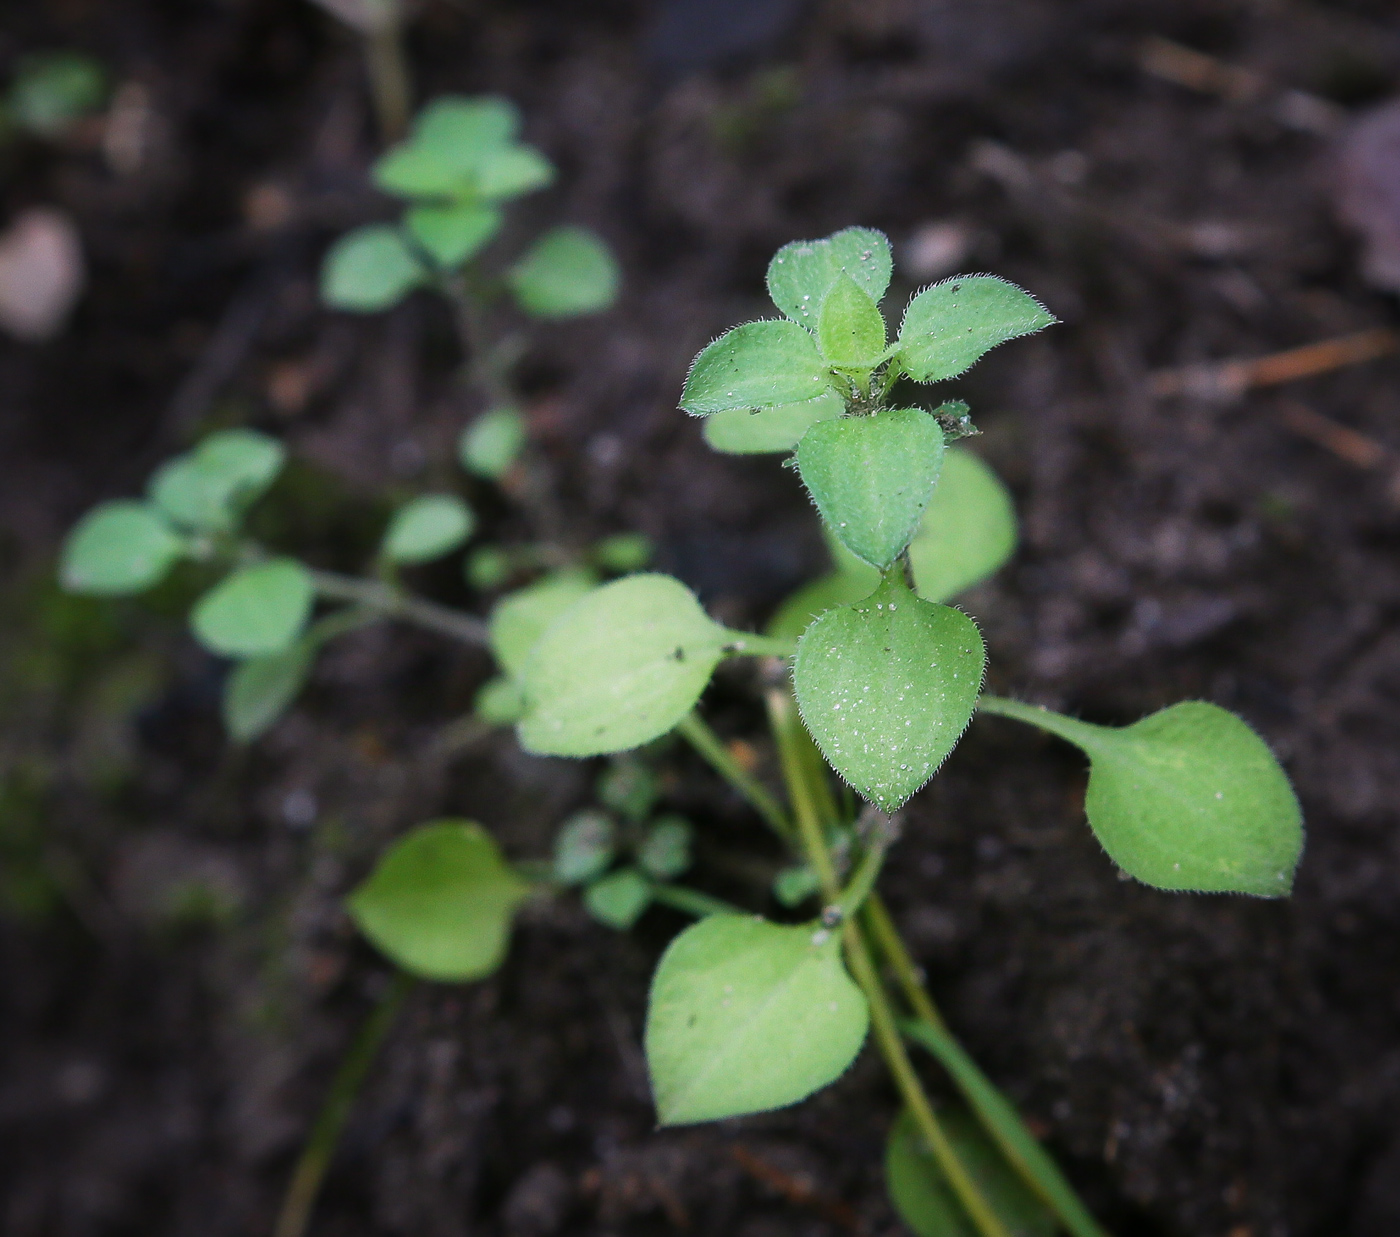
<point>41,273</point>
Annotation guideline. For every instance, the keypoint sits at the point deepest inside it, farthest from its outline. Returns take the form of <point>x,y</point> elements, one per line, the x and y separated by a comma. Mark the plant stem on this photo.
<point>392,603</point>
<point>693,902</point>
<point>881,927</point>
<point>389,83</point>
<point>325,1134</point>
<point>698,734</point>
<point>783,713</point>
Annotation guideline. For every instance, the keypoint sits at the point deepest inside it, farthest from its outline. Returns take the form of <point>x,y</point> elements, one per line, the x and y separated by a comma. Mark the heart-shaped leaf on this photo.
<point>757,365</point>
<point>569,271</point>
<point>927,1203</point>
<point>886,687</point>
<point>584,847</point>
<point>119,547</point>
<point>451,139</point>
<point>619,899</point>
<point>522,617</point>
<point>872,477</point>
<point>452,234</point>
<point>440,902</point>
<point>1187,798</point>
<point>257,610</point>
<point>850,330</point>
<point>801,273</point>
<point>747,1016</point>
<point>968,531</point>
<point>370,269</point>
<point>426,528</point>
<point>949,326</point>
<point>745,431</point>
<point>619,668</point>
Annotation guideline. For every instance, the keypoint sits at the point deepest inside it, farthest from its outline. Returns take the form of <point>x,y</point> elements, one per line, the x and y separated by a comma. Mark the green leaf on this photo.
<point>208,489</point>
<point>492,443</point>
<point>623,552</point>
<point>887,687</point>
<point>452,234</point>
<point>370,269</point>
<point>746,1016</point>
<point>440,902</point>
<point>53,89</point>
<point>926,1202</point>
<point>968,532</point>
<point>499,702</point>
<point>850,330</point>
<point>630,787</point>
<point>872,478</point>
<point>801,274</point>
<point>452,139</point>
<point>584,848</point>
<point>665,851</point>
<point>744,431</point>
<point>1004,1126</point>
<point>569,271</point>
<point>257,610</point>
<point>258,691</point>
<point>520,619</point>
<point>511,172</point>
<point>428,527</point>
<point>837,588</point>
<point>118,547</point>
<point>488,568</point>
<point>757,365</point>
<point>793,886</point>
<point>949,326</point>
<point>621,667</point>
<point>1187,798</point>
<point>618,900</point>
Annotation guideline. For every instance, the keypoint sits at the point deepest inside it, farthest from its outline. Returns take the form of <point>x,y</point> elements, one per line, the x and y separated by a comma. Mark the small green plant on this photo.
<point>870,675</point>
<point>51,91</point>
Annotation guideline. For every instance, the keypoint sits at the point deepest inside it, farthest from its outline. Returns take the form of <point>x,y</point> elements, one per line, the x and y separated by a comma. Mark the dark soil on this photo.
<point>1204,1066</point>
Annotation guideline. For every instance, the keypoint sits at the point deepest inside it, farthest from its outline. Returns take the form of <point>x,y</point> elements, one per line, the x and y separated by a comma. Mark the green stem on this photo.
<point>788,731</point>
<point>392,603</point>
<point>704,740</point>
<point>862,884</point>
<point>750,644</point>
<point>693,902</point>
<point>325,1134</point>
<point>1081,734</point>
<point>389,82</point>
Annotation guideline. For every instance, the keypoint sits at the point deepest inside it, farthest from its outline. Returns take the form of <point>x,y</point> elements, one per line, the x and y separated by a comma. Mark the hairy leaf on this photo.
<point>1187,798</point>
<point>886,687</point>
<point>757,365</point>
<point>256,610</point>
<point>428,527</point>
<point>569,271</point>
<point>370,269</point>
<point>119,547</point>
<point>521,618</point>
<point>927,1203</point>
<point>440,902</point>
<point>258,691</point>
<point>452,234</point>
<point>949,326</point>
<point>744,431</point>
<point>850,330</point>
<point>619,668</point>
<point>968,532</point>
<point>801,273</point>
<point>747,1016</point>
<point>872,478</point>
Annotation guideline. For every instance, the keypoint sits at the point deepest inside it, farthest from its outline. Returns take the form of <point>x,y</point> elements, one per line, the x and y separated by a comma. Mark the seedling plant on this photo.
<point>866,673</point>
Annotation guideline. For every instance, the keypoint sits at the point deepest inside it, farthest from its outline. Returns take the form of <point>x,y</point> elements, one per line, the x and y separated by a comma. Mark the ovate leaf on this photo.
<point>207,489</point>
<point>492,443</point>
<point>51,90</point>
<point>619,899</point>
<point>567,272</point>
<point>451,140</point>
<point>665,851</point>
<point>886,687</point>
<point>440,902</point>
<point>747,1016</point>
<point>521,618</point>
<point>968,531</point>
<point>370,269</point>
<point>623,552</point>
<point>584,848</point>
<point>452,234</point>
<point>743,431</point>
<point>498,702</point>
<point>837,588</point>
<point>119,547</point>
<point>850,330</point>
<point>950,325</point>
<point>619,668</point>
<point>1187,798</point>
<point>872,477</point>
<point>257,610</point>
<point>258,691</point>
<point>757,365</point>
<point>926,1201</point>
<point>801,273</point>
<point>427,528</point>
<point>511,171</point>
